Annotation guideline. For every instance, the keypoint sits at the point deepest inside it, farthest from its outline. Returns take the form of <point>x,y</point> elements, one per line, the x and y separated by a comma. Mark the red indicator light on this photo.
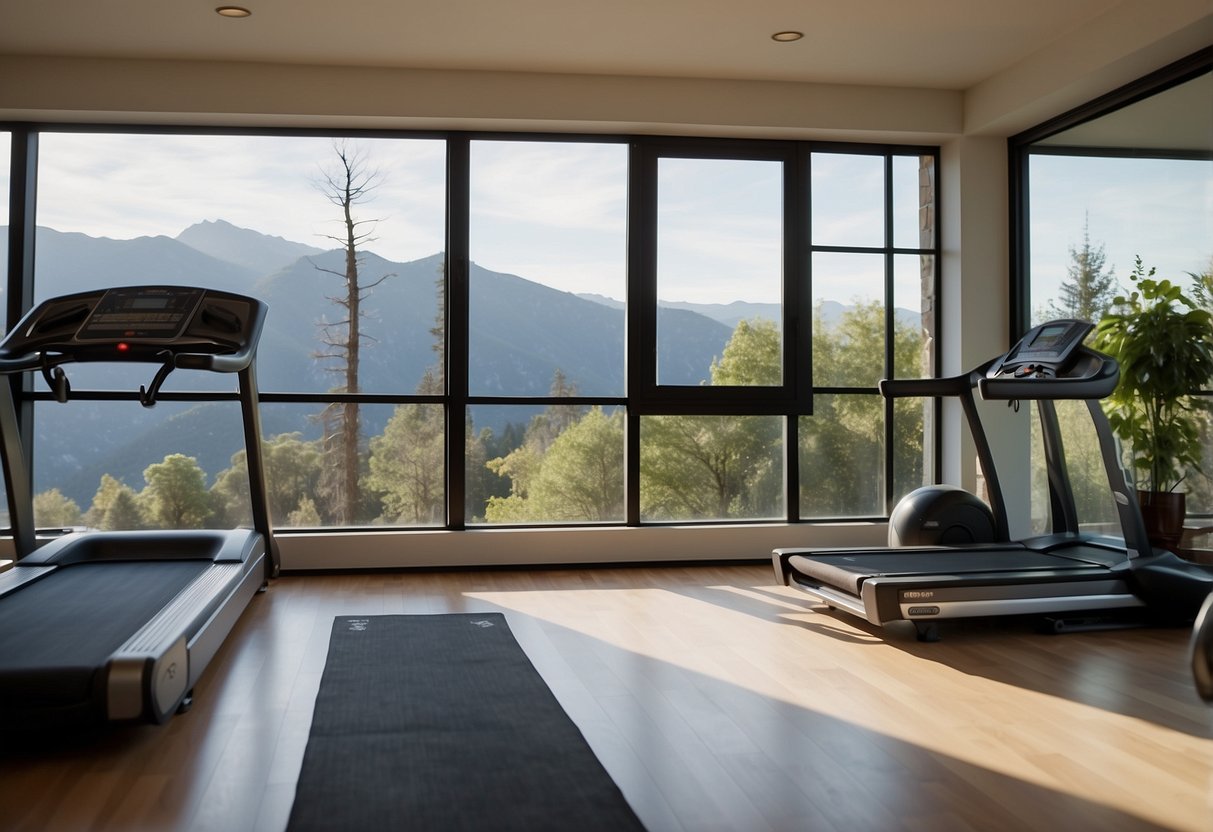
<point>123,346</point>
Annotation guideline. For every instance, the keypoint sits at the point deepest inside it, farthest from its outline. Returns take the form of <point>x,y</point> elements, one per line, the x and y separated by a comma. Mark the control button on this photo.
<point>923,611</point>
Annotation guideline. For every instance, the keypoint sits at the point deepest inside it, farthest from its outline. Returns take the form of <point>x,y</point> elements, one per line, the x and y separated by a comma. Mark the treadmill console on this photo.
<point>139,323</point>
<point>140,313</point>
<point>1046,351</point>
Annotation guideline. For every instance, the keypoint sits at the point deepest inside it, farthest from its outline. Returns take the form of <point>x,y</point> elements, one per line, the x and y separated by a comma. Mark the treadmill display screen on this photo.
<point>160,312</point>
<point>1048,337</point>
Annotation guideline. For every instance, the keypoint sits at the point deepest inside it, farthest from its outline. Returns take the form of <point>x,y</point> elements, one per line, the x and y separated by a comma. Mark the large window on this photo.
<point>874,285</point>
<point>1129,179</point>
<point>499,330</point>
<point>261,215</point>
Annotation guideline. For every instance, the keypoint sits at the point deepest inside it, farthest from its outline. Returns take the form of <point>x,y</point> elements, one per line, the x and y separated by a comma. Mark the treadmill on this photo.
<point>1073,577</point>
<point>119,626</point>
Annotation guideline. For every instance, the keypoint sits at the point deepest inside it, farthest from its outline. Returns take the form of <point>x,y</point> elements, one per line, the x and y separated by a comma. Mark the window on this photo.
<point>259,215</point>
<point>874,276</point>
<point>1126,178</point>
<point>538,331</point>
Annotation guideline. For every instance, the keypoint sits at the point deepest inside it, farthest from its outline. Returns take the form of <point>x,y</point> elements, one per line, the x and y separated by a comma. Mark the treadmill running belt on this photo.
<point>847,571</point>
<point>58,631</point>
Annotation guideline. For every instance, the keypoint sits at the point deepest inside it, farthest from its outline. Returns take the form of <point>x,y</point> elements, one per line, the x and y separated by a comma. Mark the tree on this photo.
<point>1089,290</point>
<point>52,508</point>
<point>578,479</point>
<point>114,506</point>
<point>123,512</point>
<point>176,495</point>
<point>842,445</point>
<point>305,515</point>
<point>752,357</point>
<point>714,467</point>
<point>407,464</point>
<point>292,468</point>
<point>521,464</point>
<point>346,185</point>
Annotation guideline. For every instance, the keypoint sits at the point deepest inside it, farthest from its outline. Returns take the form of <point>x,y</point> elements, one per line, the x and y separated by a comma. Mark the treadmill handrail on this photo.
<point>959,385</point>
<point>1097,380</point>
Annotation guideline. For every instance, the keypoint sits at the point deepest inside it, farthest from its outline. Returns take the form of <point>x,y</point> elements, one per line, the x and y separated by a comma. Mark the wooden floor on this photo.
<point>716,700</point>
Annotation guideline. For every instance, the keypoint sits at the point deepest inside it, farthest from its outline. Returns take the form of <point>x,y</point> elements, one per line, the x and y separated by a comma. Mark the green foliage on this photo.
<point>1089,290</point>
<point>53,509</point>
<point>579,478</point>
<point>752,356</point>
<point>292,469</point>
<point>1163,340</point>
<point>407,465</point>
<point>115,506</point>
<point>710,467</point>
<point>305,516</point>
<point>842,445</point>
<point>176,495</point>
<point>718,467</point>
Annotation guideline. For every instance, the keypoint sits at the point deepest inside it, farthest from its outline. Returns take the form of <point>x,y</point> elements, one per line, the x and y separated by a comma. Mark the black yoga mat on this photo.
<point>440,722</point>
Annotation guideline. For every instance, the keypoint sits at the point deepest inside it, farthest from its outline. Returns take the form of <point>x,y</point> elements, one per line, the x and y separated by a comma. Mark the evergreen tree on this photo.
<point>1089,289</point>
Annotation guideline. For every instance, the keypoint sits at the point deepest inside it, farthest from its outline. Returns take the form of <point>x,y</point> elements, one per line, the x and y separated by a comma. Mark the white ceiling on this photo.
<point>941,44</point>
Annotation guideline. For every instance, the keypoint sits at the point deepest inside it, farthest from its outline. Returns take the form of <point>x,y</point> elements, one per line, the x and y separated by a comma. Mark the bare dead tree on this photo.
<point>347,184</point>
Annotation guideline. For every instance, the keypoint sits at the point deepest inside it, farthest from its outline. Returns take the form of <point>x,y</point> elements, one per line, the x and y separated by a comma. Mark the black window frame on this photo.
<point>644,396</point>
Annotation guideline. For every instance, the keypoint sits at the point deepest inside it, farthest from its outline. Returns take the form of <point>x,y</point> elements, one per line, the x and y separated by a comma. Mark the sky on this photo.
<point>555,212</point>
<point>1160,209</point>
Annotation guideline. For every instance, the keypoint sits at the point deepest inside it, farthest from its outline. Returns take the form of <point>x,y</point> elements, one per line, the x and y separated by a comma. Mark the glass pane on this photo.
<point>913,427</point>
<point>914,316</point>
<point>1200,483</point>
<point>842,457</point>
<point>398,465</point>
<point>259,215</point>
<point>719,270</point>
<point>1090,217</point>
<point>848,319</point>
<point>556,464</point>
<point>711,468</point>
<point>548,241</point>
<point>914,201</point>
<point>117,465</point>
<point>1088,476</point>
<point>848,200</point>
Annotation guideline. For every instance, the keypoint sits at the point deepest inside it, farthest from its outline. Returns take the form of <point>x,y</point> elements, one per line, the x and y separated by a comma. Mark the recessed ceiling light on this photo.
<point>787,37</point>
<point>232,11</point>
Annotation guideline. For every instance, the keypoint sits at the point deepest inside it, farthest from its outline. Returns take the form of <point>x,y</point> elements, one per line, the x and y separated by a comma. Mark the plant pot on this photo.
<point>1163,513</point>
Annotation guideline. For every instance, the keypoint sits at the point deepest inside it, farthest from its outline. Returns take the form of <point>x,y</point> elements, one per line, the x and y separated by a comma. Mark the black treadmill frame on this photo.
<point>1074,588</point>
<point>151,674</point>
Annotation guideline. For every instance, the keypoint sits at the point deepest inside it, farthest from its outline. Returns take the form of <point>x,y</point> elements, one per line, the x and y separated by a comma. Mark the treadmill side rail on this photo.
<point>149,675</point>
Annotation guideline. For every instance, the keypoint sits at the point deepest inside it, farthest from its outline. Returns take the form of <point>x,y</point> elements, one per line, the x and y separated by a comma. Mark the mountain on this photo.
<point>69,262</point>
<point>730,314</point>
<point>259,253</point>
<point>520,334</point>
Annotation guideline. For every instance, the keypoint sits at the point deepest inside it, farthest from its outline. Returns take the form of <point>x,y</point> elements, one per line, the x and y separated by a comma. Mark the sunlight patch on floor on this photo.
<point>766,641</point>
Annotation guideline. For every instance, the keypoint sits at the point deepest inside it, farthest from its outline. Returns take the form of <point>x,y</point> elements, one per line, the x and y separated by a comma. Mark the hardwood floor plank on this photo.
<point>716,701</point>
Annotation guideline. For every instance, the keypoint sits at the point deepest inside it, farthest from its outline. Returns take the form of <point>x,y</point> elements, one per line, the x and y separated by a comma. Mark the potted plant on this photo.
<point>1163,340</point>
